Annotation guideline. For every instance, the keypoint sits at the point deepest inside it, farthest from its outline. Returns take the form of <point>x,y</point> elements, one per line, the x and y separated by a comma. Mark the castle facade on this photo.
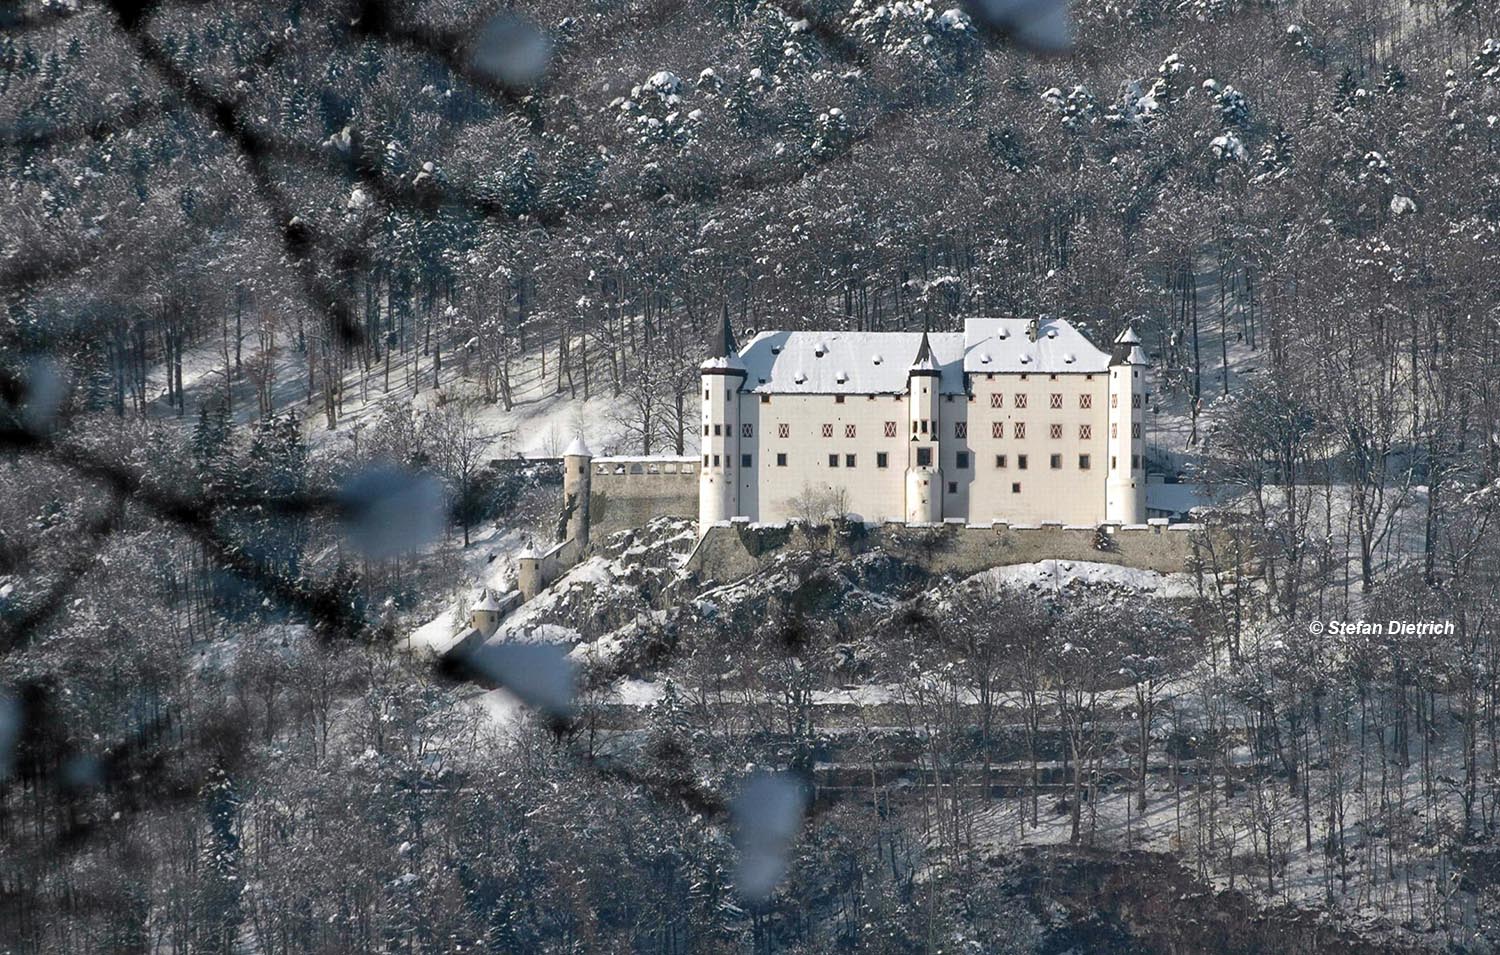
<point>1016,420</point>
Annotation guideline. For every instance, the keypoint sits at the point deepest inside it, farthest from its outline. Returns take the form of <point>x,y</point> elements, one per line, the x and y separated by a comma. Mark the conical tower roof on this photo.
<point>925,363</point>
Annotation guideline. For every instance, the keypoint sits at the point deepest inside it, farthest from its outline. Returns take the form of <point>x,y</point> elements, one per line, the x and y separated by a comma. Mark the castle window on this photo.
<point>1114,430</point>
<point>781,460</point>
<point>1054,431</point>
<point>718,430</point>
<point>1020,429</point>
<point>960,429</point>
<point>783,430</point>
<point>705,394</point>
<point>1135,401</point>
<point>1085,432</point>
<point>890,429</point>
<point>1114,463</point>
<point>833,460</point>
<point>963,460</point>
<point>765,399</point>
<point>1135,430</point>
<point>1083,462</point>
<point>952,487</point>
<point>924,457</point>
<point>1021,461</point>
<point>1054,400</point>
<point>996,401</point>
<point>924,425</point>
<point>999,460</point>
<point>827,430</point>
<point>1015,487</point>
<point>848,430</point>
<point>1114,401</point>
<point>997,429</point>
<point>882,459</point>
<point>1135,462</point>
<point>747,431</point>
<point>1085,401</point>
<point>705,460</point>
<point>838,399</point>
<point>848,460</point>
<point>1056,462</point>
<point>744,460</point>
<point>705,431</point>
<point>1020,401</point>
<point>716,460</point>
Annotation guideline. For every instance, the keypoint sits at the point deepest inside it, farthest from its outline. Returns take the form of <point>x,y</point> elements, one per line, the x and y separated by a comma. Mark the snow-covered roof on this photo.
<point>578,448</point>
<point>488,602</point>
<point>861,363</point>
<point>1002,345</point>
<point>880,362</point>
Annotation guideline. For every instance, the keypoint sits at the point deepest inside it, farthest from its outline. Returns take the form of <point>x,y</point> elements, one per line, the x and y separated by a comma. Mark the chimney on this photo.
<point>1032,327</point>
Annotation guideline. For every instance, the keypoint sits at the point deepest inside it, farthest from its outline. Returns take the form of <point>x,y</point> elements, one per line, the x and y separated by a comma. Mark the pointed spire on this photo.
<point>925,363</point>
<point>727,346</point>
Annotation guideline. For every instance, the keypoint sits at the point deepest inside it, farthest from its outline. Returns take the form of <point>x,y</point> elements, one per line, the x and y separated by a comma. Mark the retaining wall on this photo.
<point>735,549</point>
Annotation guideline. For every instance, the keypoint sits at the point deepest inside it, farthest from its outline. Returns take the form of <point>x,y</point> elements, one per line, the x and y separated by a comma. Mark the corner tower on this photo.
<point>577,464</point>
<point>723,376</point>
<point>1125,487</point>
<point>924,478</point>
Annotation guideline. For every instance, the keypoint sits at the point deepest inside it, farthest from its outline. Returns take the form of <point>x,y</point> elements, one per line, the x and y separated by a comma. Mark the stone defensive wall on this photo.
<point>735,549</point>
<point>626,492</point>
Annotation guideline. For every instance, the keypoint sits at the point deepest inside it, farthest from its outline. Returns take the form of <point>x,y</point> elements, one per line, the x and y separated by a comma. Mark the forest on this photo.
<point>284,280</point>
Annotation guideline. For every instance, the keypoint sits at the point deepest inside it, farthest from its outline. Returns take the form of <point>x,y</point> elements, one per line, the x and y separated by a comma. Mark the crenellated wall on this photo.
<point>626,492</point>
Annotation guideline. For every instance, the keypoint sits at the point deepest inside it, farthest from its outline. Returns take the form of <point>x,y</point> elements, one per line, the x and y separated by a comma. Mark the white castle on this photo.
<point>1015,420</point>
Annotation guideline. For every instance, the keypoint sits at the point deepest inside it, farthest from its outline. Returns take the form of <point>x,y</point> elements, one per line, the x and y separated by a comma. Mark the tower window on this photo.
<point>705,431</point>
<point>890,429</point>
<point>999,460</point>
<point>1056,462</point>
<point>1135,401</point>
<point>1135,430</point>
<point>1015,487</point>
<point>1055,399</point>
<point>1085,401</point>
<point>1114,401</point>
<point>827,430</point>
<point>747,431</point>
<point>924,425</point>
<point>1020,401</point>
<point>783,430</point>
<point>781,460</point>
<point>718,430</point>
<point>833,460</point>
<point>848,460</point>
<point>960,429</point>
<point>716,460</point>
<point>744,460</point>
<point>848,430</point>
<point>1135,462</point>
<point>963,460</point>
<point>1114,463</point>
<point>1083,462</point>
<point>1021,461</point>
<point>705,460</point>
<point>1020,430</point>
<point>924,457</point>
<point>952,487</point>
<point>1054,431</point>
<point>705,394</point>
<point>1114,430</point>
<point>1085,432</point>
<point>882,459</point>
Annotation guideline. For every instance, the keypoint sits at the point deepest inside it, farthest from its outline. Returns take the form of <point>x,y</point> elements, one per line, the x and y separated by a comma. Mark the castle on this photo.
<point>1013,420</point>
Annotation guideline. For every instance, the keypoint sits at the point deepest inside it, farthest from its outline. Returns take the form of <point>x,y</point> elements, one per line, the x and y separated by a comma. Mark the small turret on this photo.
<point>577,481</point>
<point>485,617</point>
<point>1125,487</point>
<point>528,571</point>
<point>924,478</point>
<point>723,375</point>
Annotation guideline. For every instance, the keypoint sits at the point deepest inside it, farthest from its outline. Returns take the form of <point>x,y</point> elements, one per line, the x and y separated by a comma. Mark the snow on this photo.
<point>1059,574</point>
<point>853,362</point>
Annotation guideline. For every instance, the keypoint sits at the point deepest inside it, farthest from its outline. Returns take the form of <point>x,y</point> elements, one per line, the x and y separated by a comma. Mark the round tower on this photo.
<point>1125,487</point>
<point>485,617</point>
<point>577,475</point>
<point>718,494</point>
<point>924,476</point>
<point>528,572</point>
